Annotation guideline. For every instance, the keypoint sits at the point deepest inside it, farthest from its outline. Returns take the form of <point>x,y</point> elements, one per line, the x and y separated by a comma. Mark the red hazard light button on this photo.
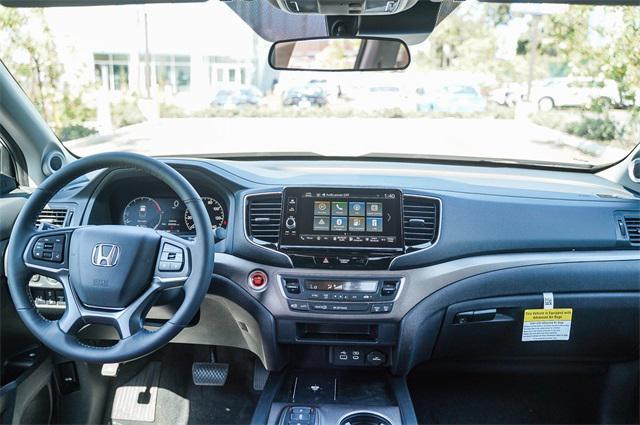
<point>258,279</point>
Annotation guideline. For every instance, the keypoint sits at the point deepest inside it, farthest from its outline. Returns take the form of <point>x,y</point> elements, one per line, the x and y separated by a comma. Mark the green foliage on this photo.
<point>126,112</point>
<point>167,110</point>
<point>600,129</point>
<point>75,131</point>
<point>32,58</point>
<point>601,51</point>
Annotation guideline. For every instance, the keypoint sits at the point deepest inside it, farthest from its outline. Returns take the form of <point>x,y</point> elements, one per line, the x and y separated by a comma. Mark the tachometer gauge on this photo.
<point>215,210</point>
<point>142,212</point>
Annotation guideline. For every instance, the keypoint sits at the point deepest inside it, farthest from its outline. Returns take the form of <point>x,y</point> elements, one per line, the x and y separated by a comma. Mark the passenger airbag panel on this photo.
<point>604,326</point>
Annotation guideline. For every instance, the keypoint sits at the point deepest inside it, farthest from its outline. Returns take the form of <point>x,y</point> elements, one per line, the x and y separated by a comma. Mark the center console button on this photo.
<point>258,279</point>
<point>292,285</point>
<point>325,261</point>
<point>381,307</point>
<point>360,307</point>
<point>389,288</point>
<point>290,223</point>
<point>299,305</point>
<point>340,307</point>
<point>301,417</point>
<point>320,306</point>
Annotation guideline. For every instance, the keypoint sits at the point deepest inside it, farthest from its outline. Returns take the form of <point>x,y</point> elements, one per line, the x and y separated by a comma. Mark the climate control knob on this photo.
<point>290,223</point>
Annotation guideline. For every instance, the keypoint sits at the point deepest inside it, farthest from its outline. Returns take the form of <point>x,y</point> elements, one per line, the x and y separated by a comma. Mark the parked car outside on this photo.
<point>380,97</point>
<point>305,96</point>
<point>230,97</point>
<point>508,95</point>
<point>457,98</point>
<point>564,92</point>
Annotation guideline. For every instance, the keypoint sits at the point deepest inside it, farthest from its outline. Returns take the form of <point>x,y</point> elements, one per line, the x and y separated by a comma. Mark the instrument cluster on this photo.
<point>169,214</point>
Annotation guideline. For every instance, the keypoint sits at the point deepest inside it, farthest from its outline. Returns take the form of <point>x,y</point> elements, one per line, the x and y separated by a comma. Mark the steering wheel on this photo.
<point>111,274</point>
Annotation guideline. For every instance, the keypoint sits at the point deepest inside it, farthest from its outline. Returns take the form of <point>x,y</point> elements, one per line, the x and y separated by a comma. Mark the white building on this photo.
<point>185,54</point>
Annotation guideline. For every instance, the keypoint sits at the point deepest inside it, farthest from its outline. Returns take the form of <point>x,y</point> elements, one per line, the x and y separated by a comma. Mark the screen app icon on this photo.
<point>339,208</point>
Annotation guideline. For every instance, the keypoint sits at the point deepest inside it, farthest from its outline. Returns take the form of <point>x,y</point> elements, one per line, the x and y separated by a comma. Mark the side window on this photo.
<point>7,170</point>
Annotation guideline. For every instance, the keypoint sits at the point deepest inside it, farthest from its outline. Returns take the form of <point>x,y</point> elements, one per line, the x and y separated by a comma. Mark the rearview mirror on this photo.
<point>340,54</point>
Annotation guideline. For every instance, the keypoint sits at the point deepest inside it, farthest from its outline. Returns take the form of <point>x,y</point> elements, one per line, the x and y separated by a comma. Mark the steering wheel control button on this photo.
<point>258,280</point>
<point>49,248</point>
<point>171,258</point>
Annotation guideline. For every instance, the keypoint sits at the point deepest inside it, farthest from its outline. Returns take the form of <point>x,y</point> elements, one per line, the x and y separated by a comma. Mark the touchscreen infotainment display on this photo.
<point>349,218</point>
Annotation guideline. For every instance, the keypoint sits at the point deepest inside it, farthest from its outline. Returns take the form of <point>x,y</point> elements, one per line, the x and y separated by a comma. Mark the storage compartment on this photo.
<point>336,331</point>
<point>603,326</point>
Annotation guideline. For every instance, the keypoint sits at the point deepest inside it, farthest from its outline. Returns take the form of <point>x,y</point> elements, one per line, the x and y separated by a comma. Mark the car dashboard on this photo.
<point>319,259</point>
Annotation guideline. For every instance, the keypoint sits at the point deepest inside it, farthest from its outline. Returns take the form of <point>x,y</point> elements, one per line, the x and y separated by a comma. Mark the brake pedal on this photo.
<point>210,374</point>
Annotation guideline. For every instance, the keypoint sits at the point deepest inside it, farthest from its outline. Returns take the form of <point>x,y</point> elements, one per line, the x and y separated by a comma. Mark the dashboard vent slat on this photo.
<point>421,219</point>
<point>263,218</point>
<point>632,223</point>
<point>54,216</point>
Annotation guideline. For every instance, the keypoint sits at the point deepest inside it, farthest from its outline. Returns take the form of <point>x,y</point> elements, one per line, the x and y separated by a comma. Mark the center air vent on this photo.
<point>632,223</point>
<point>54,216</point>
<point>263,217</point>
<point>421,220</point>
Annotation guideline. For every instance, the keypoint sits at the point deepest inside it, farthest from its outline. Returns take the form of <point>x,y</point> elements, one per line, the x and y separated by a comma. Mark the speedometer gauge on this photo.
<point>215,210</point>
<point>142,212</point>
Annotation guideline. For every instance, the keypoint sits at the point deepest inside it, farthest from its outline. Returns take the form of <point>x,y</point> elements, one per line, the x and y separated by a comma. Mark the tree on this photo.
<point>28,50</point>
<point>594,49</point>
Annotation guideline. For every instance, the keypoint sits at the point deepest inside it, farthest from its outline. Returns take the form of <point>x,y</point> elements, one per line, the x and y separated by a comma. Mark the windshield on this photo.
<point>532,83</point>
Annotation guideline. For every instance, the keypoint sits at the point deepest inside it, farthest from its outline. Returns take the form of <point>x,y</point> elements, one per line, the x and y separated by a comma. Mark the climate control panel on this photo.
<point>343,295</point>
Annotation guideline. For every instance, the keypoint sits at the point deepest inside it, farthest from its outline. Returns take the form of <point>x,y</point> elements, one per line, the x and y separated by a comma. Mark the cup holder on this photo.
<point>364,418</point>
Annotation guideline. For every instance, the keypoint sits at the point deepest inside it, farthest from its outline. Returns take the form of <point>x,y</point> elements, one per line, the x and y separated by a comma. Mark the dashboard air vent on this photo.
<point>421,219</point>
<point>632,223</point>
<point>263,217</point>
<point>54,216</point>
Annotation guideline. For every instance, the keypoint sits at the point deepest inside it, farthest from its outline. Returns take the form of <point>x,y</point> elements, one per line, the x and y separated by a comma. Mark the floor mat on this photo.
<point>181,402</point>
<point>136,400</point>
<point>506,398</point>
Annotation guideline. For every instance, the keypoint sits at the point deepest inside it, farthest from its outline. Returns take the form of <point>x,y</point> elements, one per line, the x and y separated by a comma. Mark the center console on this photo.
<point>336,397</point>
<point>337,305</point>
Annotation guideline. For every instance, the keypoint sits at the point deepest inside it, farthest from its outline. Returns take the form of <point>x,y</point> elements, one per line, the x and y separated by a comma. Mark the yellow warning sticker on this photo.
<point>549,324</point>
<point>546,314</point>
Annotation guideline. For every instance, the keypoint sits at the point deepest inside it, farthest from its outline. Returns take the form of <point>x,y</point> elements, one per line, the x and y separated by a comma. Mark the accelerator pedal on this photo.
<point>210,374</point>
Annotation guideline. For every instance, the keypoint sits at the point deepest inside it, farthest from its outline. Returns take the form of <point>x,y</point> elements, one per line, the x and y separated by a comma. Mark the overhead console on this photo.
<point>352,228</point>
